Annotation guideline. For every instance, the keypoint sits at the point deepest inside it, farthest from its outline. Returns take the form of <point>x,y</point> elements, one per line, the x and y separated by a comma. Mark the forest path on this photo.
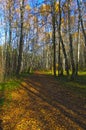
<point>41,103</point>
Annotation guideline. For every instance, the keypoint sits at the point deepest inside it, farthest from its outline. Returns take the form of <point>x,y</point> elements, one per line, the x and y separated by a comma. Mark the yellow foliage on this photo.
<point>62,20</point>
<point>75,34</point>
<point>28,8</point>
<point>45,8</point>
<point>48,7</point>
<point>17,10</point>
<point>57,7</point>
<point>35,19</point>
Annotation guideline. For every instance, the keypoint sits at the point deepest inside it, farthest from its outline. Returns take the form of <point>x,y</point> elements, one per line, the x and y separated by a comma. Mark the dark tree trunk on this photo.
<point>61,40</point>
<point>21,39</point>
<point>70,42</point>
<point>65,56</point>
<point>59,64</point>
<point>54,39</point>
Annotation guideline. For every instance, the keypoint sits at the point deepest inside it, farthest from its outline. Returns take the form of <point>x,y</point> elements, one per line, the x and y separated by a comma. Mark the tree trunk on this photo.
<point>8,46</point>
<point>21,39</point>
<point>61,40</point>
<point>65,55</point>
<point>70,43</point>
<point>81,21</point>
<point>83,30</point>
<point>59,60</point>
<point>77,50</point>
<point>54,39</point>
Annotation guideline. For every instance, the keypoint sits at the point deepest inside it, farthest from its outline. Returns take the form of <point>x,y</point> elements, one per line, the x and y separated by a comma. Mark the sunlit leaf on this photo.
<point>45,8</point>
<point>28,8</point>
<point>57,7</point>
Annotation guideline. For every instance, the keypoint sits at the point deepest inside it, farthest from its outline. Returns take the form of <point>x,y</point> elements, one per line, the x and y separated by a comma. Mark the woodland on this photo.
<point>42,64</point>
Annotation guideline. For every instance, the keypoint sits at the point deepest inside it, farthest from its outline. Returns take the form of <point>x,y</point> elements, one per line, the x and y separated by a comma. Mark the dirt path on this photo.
<point>41,103</point>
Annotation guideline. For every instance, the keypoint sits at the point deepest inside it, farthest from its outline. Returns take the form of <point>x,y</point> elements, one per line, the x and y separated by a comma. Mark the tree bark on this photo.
<point>54,38</point>
<point>61,40</point>
<point>83,30</point>
<point>70,42</point>
<point>21,39</point>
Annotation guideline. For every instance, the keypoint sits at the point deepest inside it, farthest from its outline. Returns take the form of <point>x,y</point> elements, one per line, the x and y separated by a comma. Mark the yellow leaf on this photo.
<point>28,7</point>
<point>45,8</point>
<point>57,6</point>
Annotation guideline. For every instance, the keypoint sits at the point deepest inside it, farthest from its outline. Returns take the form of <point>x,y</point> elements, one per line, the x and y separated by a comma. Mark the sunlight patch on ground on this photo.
<point>16,96</point>
<point>28,124</point>
<point>33,90</point>
<point>30,87</point>
<point>24,83</point>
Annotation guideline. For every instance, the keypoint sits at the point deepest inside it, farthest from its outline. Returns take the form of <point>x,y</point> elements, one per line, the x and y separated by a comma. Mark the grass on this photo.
<point>8,86</point>
<point>78,86</point>
<point>23,75</point>
<point>2,101</point>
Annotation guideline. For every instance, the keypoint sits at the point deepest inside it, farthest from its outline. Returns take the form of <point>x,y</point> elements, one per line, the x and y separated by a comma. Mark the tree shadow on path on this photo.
<point>49,91</point>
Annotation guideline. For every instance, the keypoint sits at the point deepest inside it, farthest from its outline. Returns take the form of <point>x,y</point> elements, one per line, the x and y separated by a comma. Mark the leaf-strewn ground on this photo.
<point>42,103</point>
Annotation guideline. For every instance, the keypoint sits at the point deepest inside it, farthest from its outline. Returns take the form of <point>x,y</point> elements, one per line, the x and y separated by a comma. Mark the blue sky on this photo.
<point>33,1</point>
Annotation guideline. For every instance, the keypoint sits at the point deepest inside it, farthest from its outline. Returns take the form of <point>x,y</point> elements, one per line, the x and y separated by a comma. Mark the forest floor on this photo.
<point>42,102</point>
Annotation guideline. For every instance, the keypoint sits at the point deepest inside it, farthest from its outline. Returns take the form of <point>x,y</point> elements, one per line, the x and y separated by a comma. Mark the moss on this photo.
<point>7,87</point>
<point>2,101</point>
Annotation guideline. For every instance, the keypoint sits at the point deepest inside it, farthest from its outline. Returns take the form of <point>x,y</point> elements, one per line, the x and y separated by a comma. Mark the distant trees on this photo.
<point>82,25</point>
<point>47,35</point>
